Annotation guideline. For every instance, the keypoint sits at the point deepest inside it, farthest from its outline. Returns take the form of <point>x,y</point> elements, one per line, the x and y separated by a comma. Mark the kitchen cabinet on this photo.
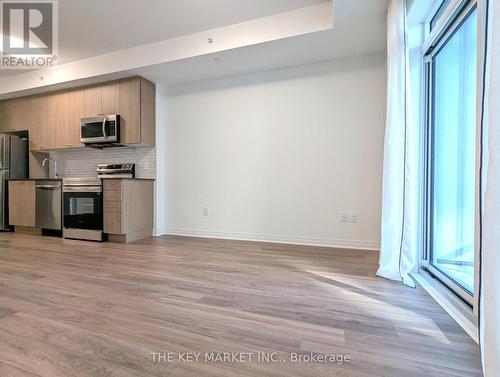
<point>76,111</point>
<point>101,99</point>
<point>16,114</point>
<point>128,209</point>
<point>59,115</point>
<point>53,119</point>
<point>137,111</point>
<point>41,131</point>
<point>133,99</point>
<point>58,121</point>
<point>22,203</point>
<point>92,101</point>
<point>130,111</point>
<point>110,98</point>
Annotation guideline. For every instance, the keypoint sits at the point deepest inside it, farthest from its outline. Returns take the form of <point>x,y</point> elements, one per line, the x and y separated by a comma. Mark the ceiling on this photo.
<point>94,27</point>
<point>359,30</point>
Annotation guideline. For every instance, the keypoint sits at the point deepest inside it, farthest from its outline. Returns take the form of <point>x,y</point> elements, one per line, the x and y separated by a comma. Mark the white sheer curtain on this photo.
<point>490,249</point>
<point>398,255</point>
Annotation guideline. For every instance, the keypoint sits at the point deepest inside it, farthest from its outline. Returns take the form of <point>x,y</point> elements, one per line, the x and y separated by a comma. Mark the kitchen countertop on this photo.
<point>134,179</point>
<point>35,179</point>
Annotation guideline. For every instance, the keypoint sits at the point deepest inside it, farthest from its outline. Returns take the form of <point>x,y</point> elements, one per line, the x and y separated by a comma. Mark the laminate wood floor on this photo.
<point>71,308</point>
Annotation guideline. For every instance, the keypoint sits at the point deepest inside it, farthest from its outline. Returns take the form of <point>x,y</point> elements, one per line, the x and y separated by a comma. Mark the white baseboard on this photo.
<point>292,240</point>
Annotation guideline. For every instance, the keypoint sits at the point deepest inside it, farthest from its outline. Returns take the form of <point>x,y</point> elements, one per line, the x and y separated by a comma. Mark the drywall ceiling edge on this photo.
<point>115,65</point>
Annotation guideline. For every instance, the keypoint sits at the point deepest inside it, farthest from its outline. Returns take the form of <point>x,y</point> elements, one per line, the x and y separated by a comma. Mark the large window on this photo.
<point>451,154</point>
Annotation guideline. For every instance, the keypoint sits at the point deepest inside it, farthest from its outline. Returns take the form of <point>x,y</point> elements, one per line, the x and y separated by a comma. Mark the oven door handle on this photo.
<point>48,187</point>
<point>82,189</point>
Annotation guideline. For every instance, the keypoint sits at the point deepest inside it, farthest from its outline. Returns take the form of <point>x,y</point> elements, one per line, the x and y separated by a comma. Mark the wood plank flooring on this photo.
<point>71,308</point>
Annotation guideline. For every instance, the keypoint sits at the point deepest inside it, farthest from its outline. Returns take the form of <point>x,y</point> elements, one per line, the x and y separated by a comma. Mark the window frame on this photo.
<point>450,22</point>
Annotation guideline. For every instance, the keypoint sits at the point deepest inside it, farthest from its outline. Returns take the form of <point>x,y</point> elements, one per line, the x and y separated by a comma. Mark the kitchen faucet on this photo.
<point>47,160</point>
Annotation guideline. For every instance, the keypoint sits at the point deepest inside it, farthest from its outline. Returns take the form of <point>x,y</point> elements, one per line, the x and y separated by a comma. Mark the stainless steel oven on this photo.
<point>100,131</point>
<point>83,208</point>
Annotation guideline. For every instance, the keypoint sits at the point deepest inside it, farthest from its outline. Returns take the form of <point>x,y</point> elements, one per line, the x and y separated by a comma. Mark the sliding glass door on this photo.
<point>451,156</point>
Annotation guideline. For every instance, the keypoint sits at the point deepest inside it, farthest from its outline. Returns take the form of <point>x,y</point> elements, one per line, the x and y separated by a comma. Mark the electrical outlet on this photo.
<point>353,218</point>
<point>206,211</point>
<point>343,217</point>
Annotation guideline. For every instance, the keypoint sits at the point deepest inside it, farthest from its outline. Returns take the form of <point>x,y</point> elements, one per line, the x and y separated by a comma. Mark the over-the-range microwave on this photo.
<point>101,131</point>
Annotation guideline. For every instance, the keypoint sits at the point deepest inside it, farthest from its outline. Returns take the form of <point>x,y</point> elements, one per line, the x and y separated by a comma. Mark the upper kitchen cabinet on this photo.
<point>137,111</point>
<point>16,114</point>
<point>57,123</point>
<point>133,99</point>
<point>53,119</point>
<point>41,130</point>
<point>101,99</point>
<point>76,111</point>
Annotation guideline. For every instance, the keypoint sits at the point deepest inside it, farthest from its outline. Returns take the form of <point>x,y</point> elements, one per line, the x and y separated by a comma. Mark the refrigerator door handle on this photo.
<point>6,152</point>
<point>3,201</point>
<point>3,139</point>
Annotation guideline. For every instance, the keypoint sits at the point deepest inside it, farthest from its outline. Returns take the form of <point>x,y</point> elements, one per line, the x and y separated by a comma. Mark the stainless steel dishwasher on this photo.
<point>49,204</point>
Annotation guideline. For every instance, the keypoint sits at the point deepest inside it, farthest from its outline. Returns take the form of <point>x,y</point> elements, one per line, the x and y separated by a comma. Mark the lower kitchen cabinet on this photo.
<point>128,209</point>
<point>22,203</point>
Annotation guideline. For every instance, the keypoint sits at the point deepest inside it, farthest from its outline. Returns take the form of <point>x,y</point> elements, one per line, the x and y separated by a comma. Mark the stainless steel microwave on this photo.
<point>101,130</point>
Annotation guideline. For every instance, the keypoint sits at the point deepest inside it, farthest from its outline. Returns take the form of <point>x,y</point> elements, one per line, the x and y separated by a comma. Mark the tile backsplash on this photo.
<point>83,162</point>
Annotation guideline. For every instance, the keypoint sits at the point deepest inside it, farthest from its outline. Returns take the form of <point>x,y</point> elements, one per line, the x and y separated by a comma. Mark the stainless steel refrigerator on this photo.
<point>13,165</point>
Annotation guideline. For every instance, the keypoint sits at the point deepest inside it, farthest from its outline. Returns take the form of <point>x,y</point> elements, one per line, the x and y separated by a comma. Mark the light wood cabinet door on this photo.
<point>15,114</point>
<point>113,222</point>
<point>8,115</point>
<point>101,99</point>
<point>92,101</point>
<point>76,113</point>
<point>112,196</point>
<point>57,124</point>
<point>28,115</point>
<point>110,98</point>
<point>128,206</point>
<point>137,205</point>
<point>60,120</point>
<point>130,111</point>
<point>41,128</point>
<point>3,117</point>
<point>148,112</point>
<point>22,203</point>
<point>137,111</point>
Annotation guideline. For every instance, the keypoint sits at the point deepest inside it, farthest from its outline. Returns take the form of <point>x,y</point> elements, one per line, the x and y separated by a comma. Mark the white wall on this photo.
<point>277,155</point>
<point>161,210</point>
